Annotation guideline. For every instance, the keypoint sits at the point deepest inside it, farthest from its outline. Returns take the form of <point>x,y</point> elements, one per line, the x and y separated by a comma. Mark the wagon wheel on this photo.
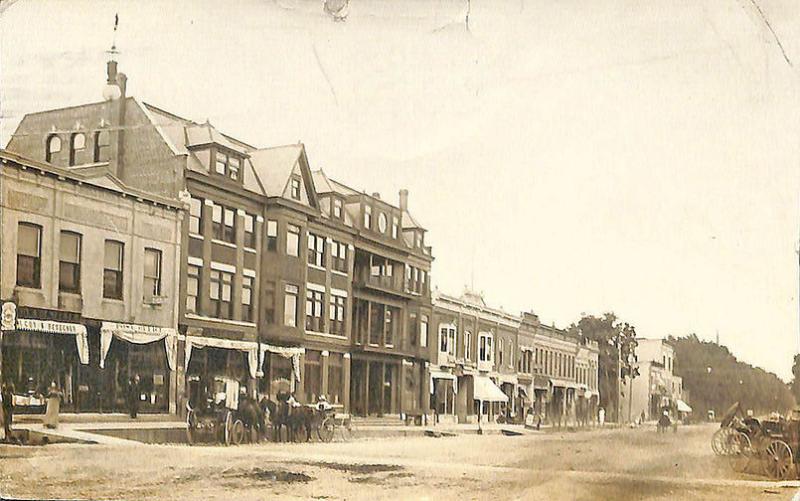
<point>718,441</point>
<point>190,425</point>
<point>779,461</point>
<point>346,429</point>
<point>227,432</point>
<point>729,442</point>
<point>237,432</point>
<point>742,452</point>
<point>326,429</point>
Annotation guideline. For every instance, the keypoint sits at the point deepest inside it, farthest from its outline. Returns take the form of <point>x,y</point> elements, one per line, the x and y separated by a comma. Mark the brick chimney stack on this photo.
<point>404,199</point>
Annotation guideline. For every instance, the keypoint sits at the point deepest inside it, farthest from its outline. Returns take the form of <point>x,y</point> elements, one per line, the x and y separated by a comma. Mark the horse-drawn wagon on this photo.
<point>227,417</point>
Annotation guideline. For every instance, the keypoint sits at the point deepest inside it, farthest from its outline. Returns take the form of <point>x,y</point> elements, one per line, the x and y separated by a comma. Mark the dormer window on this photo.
<point>382,222</point>
<point>395,226</point>
<point>77,143</point>
<point>337,208</point>
<point>101,146</point>
<point>53,146</point>
<point>296,185</point>
<point>228,165</point>
<point>418,239</point>
<point>367,217</point>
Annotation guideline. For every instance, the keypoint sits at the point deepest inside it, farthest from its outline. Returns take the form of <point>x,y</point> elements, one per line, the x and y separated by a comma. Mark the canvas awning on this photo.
<point>437,374</point>
<point>562,383</point>
<point>540,383</point>
<point>484,390</point>
<point>683,406</point>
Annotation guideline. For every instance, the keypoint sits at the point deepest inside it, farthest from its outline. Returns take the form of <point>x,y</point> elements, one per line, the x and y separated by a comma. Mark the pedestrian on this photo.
<point>641,418</point>
<point>8,408</point>
<point>53,406</point>
<point>133,396</point>
<point>601,416</point>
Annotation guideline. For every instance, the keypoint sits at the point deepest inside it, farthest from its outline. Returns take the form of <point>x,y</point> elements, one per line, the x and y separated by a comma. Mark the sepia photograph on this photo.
<point>400,249</point>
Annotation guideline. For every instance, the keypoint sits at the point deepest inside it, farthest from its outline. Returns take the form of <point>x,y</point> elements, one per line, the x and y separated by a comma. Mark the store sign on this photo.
<point>29,324</point>
<point>8,317</point>
<point>139,329</point>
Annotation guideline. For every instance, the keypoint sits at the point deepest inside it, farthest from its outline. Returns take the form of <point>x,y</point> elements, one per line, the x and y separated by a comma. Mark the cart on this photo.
<point>216,419</point>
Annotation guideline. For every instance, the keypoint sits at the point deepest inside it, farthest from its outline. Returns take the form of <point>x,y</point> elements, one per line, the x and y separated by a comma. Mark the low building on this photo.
<point>656,387</point>
<point>89,284</point>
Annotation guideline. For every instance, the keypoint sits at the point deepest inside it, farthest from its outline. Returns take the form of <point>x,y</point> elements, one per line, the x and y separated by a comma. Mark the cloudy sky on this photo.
<point>566,157</point>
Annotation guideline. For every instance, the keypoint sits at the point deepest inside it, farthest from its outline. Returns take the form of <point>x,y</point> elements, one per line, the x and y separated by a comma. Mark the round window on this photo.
<point>382,222</point>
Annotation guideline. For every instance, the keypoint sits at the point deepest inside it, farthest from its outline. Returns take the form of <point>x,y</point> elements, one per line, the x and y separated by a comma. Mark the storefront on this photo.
<point>372,386</point>
<point>279,369</point>
<point>38,352</point>
<point>487,396</point>
<point>444,390</point>
<point>129,350</point>
<point>207,359</point>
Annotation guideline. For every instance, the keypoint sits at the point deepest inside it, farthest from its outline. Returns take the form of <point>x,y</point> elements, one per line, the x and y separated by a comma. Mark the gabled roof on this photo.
<point>204,134</point>
<point>274,166</point>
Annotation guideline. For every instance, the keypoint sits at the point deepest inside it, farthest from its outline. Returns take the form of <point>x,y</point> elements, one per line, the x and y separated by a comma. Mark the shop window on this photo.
<point>69,263</point>
<point>293,240</point>
<point>337,309</point>
<point>335,374</point>
<point>290,305</point>
<point>53,146</point>
<point>220,293</point>
<point>314,302</point>
<point>312,381</point>
<point>152,273</point>
<point>112,269</point>
<point>316,250</point>
<point>247,299</point>
<point>249,231</point>
<point>339,256</point>
<point>77,142</point>
<point>272,235</point>
<point>101,146</point>
<point>193,275</point>
<point>196,216</point>
<point>29,254</point>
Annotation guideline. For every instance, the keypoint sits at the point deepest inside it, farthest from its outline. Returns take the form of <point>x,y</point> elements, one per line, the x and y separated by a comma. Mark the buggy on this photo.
<point>217,419</point>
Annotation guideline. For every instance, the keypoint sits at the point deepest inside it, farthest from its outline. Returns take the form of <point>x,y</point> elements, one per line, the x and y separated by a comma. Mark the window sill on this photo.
<point>224,243</point>
<point>220,320</point>
<point>340,273</point>
<point>315,267</point>
<point>70,293</point>
<point>325,334</point>
<point>195,235</point>
<point>114,300</point>
<point>250,250</point>
<point>29,287</point>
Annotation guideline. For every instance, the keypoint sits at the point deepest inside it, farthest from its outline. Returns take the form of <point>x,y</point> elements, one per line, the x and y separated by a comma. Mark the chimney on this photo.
<point>376,195</point>
<point>404,199</point>
<point>122,81</point>
<point>111,71</point>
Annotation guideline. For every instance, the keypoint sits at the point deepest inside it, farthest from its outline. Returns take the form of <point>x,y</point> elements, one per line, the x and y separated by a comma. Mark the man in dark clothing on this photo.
<point>8,408</point>
<point>133,396</point>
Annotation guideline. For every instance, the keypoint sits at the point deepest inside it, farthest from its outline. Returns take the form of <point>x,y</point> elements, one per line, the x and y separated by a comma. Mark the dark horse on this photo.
<point>253,418</point>
<point>282,414</point>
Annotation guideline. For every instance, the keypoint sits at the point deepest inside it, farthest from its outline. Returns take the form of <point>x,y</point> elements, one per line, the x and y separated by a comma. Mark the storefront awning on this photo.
<point>484,390</point>
<point>53,327</point>
<point>139,334</point>
<point>540,383</point>
<point>683,406</point>
<point>249,347</point>
<point>562,383</point>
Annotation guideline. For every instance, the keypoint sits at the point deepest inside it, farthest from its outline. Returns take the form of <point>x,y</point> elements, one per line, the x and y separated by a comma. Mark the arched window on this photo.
<point>53,146</point>
<point>77,142</point>
<point>101,143</point>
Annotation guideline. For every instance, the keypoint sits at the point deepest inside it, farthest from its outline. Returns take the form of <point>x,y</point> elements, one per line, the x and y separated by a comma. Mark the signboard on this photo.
<point>51,326</point>
<point>8,317</point>
<point>139,329</point>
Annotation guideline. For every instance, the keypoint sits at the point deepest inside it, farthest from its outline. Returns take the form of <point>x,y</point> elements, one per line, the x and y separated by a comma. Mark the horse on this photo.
<point>253,417</point>
<point>664,422</point>
<point>296,419</point>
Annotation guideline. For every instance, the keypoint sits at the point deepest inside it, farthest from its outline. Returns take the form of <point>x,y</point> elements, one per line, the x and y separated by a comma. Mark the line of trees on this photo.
<point>715,379</point>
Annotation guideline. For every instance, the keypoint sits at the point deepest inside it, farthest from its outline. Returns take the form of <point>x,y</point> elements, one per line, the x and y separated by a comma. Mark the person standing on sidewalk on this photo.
<point>133,396</point>
<point>8,408</point>
<point>601,416</point>
<point>53,406</point>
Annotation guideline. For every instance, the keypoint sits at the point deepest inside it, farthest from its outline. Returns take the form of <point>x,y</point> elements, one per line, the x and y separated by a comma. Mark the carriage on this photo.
<point>768,447</point>
<point>217,420</point>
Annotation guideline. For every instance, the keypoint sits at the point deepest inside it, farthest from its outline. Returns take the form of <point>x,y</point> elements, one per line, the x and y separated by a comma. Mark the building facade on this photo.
<point>657,387</point>
<point>88,282</point>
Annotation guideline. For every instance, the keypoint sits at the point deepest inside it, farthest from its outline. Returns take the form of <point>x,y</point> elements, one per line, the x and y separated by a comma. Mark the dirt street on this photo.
<point>592,465</point>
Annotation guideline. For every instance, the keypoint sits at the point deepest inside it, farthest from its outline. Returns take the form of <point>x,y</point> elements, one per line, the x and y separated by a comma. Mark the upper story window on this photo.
<point>314,307</point>
<point>467,345</point>
<point>395,226</point>
<point>53,146</point>
<point>447,339</point>
<point>69,262</point>
<point>228,165</point>
<point>292,240</point>
<point>29,255</point>
<point>247,299</point>
<point>290,305</point>
<point>249,231</point>
<point>77,142</point>
<point>296,187</point>
<point>339,256</point>
<point>418,239</point>
<point>337,208</point>
<point>316,250</point>
<point>423,331</point>
<point>193,275</point>
<point>152,273</point>
<point>272,235</point>
<point>485,347</point>
<point>196,216</point>
<point>382,222</point>
<point>220,294</point>
<point>500,346</point>
<point>112,269</point>
<point>101,146</point>
<point>224,223</point>
<point>337,309</point>
<point>413,329</point>
<point>367,217</point>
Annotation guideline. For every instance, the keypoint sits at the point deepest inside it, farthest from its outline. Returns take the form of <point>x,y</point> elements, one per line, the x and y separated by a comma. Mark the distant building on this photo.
<point>657,386</point>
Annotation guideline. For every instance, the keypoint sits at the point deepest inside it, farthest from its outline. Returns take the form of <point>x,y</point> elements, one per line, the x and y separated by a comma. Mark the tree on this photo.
<point>795,387</point>
<point>617,355</point>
